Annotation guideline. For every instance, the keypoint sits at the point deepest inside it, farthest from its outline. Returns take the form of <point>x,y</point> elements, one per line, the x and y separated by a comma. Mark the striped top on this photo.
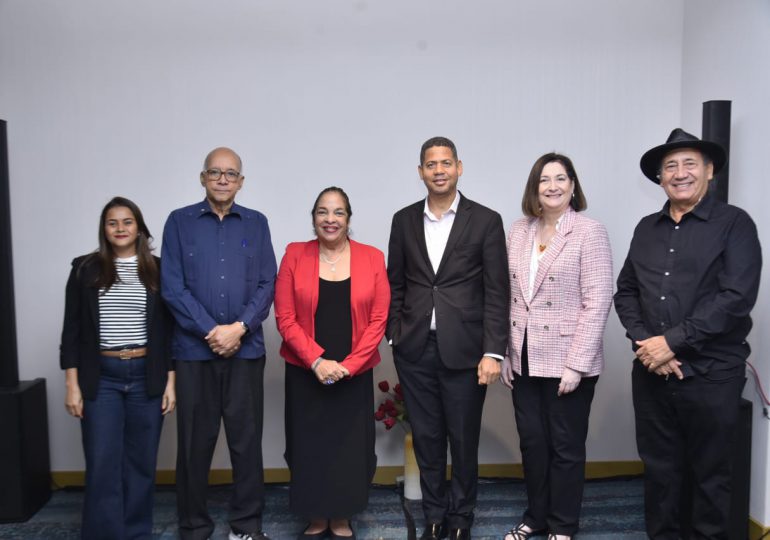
<point>123,308</point>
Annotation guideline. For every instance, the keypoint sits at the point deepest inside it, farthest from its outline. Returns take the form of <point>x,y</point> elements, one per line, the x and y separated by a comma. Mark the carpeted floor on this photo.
<point>611,509</point>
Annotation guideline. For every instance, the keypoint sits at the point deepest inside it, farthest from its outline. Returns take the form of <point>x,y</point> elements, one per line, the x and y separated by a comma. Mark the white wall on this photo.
<point>726,55</point>
<point>106,98</point>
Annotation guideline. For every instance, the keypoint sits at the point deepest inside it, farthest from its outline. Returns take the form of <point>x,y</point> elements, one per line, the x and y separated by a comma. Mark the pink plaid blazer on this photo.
<point>571,299</point>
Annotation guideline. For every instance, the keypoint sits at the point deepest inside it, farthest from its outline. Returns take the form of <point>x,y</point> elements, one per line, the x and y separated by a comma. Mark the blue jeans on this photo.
<point>121,432</point>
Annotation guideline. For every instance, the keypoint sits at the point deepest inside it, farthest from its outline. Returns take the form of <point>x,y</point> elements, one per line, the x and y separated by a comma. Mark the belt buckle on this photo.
<point>125,354</point>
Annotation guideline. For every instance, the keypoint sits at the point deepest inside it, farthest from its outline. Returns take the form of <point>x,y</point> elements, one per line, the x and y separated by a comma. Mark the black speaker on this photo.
<point>9,366</point>
<point>738,524</point>
<point>716,128</point>
<point>25,478</point>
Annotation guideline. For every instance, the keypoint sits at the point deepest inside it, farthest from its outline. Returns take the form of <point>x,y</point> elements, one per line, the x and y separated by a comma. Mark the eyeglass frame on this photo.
<point>208,175</point>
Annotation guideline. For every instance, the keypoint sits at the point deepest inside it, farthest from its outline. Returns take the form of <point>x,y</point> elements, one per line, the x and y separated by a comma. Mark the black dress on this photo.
<point>330,429</point>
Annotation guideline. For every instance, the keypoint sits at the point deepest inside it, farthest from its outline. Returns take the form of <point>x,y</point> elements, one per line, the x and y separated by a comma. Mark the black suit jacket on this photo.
<point>470,291</point>
<point>80,335</point>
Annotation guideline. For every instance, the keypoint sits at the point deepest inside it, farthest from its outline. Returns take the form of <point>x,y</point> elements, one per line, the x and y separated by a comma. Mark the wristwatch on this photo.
<point>245,327</point>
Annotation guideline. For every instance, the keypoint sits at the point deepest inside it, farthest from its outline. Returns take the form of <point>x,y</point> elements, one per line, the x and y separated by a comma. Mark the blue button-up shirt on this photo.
<point>217,272</point>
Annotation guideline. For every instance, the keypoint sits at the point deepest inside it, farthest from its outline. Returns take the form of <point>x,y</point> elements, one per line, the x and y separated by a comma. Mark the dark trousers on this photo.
<point>444,404</point>
<point>679,425</point>
<point>121,432</point>
<point>552,437</point>
<point>208,392</point>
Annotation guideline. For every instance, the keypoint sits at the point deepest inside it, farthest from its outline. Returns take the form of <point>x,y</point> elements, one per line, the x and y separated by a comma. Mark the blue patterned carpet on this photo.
<point>611,509</point>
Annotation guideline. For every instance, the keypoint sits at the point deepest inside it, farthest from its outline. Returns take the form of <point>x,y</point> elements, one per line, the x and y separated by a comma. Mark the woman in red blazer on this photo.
<point>560,267</point>
<point>331,306</point>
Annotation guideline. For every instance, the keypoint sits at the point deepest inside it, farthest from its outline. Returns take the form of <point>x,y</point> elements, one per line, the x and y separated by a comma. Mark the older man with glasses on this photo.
<point>217,277</point>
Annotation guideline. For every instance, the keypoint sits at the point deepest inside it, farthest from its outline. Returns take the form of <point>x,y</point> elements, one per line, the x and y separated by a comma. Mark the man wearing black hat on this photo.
<point>684,296</point>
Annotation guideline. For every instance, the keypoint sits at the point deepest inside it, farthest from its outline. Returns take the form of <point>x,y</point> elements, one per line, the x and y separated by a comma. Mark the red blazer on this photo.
<point>296,299</point>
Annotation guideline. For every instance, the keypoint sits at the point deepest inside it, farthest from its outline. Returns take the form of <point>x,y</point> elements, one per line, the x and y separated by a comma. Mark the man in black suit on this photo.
<point>448,273</point>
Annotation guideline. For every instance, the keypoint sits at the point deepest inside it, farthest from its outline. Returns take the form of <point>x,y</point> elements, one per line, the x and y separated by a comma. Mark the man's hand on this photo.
<point>488,370</point>
<point>570,379</point>
<point>506,375</point>
<point>225,339</point>
<point>672,366</point>
<point>654,352</point>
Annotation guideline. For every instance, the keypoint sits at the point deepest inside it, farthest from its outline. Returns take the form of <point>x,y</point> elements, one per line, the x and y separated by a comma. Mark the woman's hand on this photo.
<point>73,401</point>
<point>570,380</point>
<point>506,376</point>
<point>168,403</point>
<point>329,370</point>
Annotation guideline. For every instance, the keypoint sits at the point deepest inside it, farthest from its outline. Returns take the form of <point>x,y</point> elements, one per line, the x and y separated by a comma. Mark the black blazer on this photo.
<point>470,291</point>
<point>80,335</point>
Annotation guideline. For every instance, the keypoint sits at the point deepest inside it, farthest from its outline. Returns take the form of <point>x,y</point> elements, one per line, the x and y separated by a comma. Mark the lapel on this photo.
<point>93,306</point>
<point>557,244</point>
<point>462,218</point>
<point>310,269</point>
<point>418,225</point>
<point>150,306</point>
<point>89,272</point>
<point>525,256</point>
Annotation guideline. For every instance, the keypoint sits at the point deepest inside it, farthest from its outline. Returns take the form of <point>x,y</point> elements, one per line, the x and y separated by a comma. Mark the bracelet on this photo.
<point>315,364</point>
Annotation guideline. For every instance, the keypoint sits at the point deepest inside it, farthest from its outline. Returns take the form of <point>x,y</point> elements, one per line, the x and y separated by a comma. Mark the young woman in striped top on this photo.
<point>119,373</point>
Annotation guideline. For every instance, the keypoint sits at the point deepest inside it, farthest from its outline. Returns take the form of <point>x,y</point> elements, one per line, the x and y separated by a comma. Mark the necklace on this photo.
<point>334,262</point>
<point>542,241</point>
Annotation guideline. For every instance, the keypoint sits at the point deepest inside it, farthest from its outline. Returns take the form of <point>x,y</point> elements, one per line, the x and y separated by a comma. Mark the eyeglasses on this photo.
<point>213,175</point>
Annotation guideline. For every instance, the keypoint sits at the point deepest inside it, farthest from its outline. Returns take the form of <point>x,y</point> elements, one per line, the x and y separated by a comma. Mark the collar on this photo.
<point>702,210</point>
<point>204,207</point>
<point>452,208</point>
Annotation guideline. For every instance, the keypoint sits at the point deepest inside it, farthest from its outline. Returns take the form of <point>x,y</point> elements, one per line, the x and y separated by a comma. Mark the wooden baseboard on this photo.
<point>386,475</point>
<point>757,530</point>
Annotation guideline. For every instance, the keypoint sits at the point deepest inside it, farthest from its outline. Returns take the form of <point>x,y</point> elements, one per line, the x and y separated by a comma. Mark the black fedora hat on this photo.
<point>679,138</point>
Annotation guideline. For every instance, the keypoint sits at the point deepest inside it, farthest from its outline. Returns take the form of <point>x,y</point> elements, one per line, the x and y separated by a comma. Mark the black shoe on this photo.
<point>334,536</point>
<point>313,536</point>
<point>434,531</point>
<point>459,534</point>
<point>518,532</point>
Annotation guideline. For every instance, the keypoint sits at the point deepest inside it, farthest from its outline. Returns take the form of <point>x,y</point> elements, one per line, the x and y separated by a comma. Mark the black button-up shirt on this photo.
<point>694,282</point>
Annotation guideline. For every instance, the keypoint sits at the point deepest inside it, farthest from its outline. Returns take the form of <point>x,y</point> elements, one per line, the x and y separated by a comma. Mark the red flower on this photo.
<point>392,409</point>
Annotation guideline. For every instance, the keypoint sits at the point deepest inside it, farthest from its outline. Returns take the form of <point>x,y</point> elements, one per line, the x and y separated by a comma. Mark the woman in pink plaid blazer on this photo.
<point>560,269</point>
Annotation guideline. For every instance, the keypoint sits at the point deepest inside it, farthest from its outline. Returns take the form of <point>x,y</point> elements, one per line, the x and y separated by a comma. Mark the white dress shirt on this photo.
<point>437,231</point>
